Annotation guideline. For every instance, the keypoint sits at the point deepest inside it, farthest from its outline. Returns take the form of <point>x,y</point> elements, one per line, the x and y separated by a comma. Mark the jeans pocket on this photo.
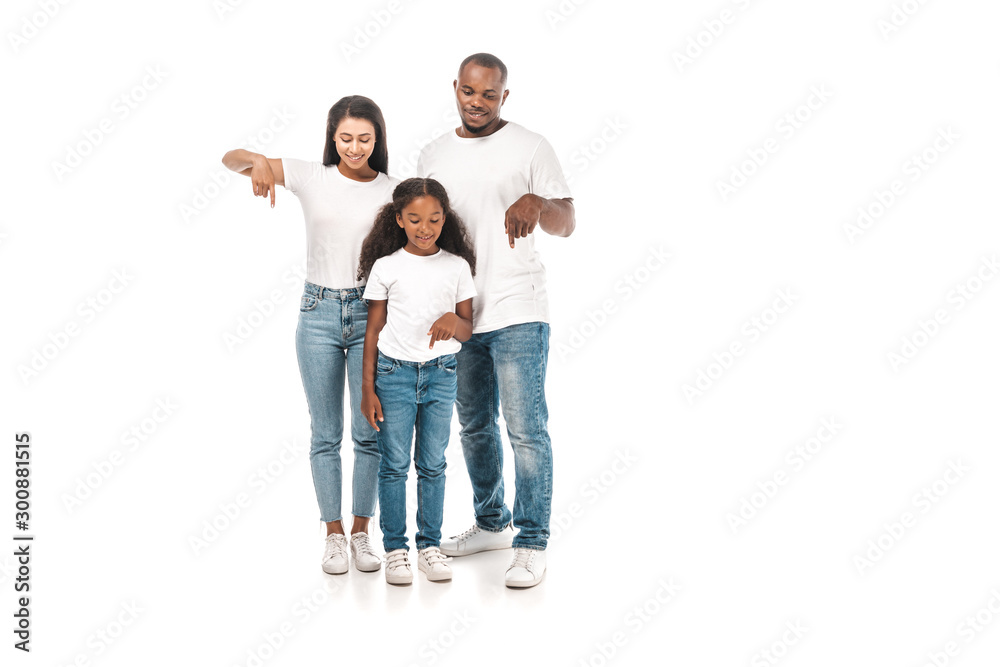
<point>309,302</point>
<point>385,366</point>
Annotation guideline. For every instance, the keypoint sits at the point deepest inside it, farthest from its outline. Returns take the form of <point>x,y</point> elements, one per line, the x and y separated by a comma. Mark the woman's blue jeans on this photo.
<point>329,342</point>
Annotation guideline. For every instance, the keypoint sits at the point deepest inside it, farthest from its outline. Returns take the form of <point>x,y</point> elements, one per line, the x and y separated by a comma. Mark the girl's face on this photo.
<point>355,142</point>
<point>422,220</point>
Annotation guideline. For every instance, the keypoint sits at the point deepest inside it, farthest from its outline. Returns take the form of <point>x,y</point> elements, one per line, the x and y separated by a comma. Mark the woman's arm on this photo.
<point>457,325</point>
<point>371,407</point>
<point>264,172</point>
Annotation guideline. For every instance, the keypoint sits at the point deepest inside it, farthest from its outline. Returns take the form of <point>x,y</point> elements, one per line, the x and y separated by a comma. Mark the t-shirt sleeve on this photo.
<point>547,178</point>
<point>466,286</point>
<point>376,289</point>
<point>298,173</point>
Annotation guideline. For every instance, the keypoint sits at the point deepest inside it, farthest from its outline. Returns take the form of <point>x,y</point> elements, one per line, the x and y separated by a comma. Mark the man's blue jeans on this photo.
<point>329,341</point>
<point>415,396</point>
<point>505,370</point>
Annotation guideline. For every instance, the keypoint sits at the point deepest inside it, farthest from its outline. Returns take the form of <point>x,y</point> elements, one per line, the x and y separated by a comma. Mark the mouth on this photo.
<point>424,239</point>
<point>475,115</point>
<point>356,159</point>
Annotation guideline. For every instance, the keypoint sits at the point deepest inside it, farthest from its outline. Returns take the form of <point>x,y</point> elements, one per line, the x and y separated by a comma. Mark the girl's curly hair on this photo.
<point>386,237</point>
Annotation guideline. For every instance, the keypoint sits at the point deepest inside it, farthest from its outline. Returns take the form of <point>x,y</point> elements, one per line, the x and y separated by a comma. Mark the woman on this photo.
<point>339,198</point>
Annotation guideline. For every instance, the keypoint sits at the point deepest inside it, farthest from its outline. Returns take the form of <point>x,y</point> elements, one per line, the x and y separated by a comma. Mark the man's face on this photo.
<point>480,95</point>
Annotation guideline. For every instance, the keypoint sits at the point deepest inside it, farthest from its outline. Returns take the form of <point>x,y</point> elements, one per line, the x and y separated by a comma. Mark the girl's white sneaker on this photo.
<point>397,568</point>
<point>434,564</point>
<point>363,555</point>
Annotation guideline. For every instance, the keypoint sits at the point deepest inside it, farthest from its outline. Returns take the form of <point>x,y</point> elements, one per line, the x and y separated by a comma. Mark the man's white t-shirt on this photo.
<point>339,213</point>
<point>420,290</point>
<point>483,177</point>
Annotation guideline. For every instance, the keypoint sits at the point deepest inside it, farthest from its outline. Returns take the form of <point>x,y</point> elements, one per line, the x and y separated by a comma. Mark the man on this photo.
<point>505,181</point>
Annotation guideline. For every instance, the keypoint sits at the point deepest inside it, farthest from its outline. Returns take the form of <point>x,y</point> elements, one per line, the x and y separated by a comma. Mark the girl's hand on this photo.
<point>262,177</point>
<point>371,408</point>
<point>444,328</point>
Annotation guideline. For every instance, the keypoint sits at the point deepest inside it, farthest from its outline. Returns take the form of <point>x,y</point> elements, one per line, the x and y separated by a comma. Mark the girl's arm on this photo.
<point>457,325</point>
<point>264,172</point>
<point>371,407</point>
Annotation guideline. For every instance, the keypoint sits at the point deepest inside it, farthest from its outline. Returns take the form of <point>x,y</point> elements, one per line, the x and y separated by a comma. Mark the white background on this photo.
<point>646,140</point>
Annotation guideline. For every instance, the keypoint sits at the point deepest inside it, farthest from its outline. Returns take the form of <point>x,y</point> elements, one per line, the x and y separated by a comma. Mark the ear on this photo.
<point>399,220</point>
<point>504,98</point>
<point>455,85</point>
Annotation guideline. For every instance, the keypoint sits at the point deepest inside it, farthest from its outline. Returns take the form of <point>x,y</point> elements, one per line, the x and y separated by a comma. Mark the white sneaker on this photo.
<point>397,568</point>
<point>476,539</point>
<point>362,554</point>
<point>526,569</point>
<point>434,564</point>
<point>335,554</point>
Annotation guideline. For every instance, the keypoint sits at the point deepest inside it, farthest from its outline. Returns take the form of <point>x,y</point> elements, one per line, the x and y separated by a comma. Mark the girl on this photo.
<point>419,263</point>
<point>339,198</point>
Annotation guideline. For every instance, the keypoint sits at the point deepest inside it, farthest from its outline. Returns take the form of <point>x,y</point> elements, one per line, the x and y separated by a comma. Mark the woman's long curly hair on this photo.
<point>386,236</point>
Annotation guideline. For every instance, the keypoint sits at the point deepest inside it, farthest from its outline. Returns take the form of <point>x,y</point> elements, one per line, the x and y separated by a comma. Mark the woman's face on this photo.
<point>355,139</point>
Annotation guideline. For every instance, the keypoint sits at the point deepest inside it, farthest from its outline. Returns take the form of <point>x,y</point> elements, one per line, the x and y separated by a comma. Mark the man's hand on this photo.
<point>522,217</point>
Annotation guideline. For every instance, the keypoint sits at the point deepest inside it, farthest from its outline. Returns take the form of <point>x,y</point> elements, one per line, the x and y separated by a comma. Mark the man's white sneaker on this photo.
<point>434,564</point>
<point>335,554</point>
<point>397,568</point>
<point>526,569</point>
<point>476,539</point>
<point>362,554</point>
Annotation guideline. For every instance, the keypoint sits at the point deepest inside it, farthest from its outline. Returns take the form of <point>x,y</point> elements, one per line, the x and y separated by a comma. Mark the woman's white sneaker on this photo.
<point>526,569</point>
<point>434,564</point>
<point>364,557</point>
<point>476,539</point>
<point>335,554</point>
<point>397,568</point>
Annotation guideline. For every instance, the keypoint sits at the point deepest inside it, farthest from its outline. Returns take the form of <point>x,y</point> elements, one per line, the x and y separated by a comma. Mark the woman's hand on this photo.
<point>371,408</point>
<point>444,328</point>
<point>262,178</point>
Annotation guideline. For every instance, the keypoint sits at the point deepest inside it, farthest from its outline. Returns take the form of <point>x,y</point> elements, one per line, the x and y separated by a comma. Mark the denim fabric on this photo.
<point>505,370</point>
<point>415,396</point>
<point>329,341</point>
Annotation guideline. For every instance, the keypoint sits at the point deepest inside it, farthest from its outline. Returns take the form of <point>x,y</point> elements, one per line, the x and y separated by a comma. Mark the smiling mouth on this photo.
<point>476,114</point>
<point>355,158</point>
<point>424,239</point>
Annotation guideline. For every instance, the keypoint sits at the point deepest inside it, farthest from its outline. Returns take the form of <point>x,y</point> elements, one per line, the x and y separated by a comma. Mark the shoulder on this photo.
<point>522,135</point>
<point>300,172</point>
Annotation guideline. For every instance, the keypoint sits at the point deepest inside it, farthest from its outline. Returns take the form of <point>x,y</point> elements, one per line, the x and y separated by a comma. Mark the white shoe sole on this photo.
<point>371,568</point>
<point>439,576</point>
<point>329,569</point>
<point>525,584</point>
<point>399,580</point>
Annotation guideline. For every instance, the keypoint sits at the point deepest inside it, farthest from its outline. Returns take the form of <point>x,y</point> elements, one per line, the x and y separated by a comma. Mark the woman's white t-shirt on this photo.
<point>339,213</point>
<point>420,290</point>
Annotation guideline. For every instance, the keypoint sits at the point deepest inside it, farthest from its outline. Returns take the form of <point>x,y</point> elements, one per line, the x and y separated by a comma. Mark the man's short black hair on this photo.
<point>486,60</point>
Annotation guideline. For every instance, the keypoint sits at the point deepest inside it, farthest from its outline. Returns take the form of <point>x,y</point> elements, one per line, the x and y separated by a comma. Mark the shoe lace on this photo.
<point>467,534</point>
<point>362,545</point>
<point>523,558</point>
<point>334,547</point>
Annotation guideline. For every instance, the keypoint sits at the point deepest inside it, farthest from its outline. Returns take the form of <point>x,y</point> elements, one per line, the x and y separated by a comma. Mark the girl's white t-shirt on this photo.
<point>339,213</point>
<point>419,290</point>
